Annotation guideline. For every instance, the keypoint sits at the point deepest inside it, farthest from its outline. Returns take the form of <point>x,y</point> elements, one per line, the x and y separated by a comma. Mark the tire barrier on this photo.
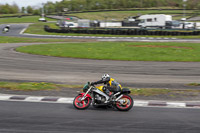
<point>124,31</point>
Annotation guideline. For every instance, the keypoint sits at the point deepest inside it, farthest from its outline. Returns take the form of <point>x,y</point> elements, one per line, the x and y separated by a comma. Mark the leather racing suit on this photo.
<point>110,85</point>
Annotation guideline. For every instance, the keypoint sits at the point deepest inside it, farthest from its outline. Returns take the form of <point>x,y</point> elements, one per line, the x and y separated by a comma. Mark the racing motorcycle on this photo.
<point>95,95</point>
<point>6,28</point>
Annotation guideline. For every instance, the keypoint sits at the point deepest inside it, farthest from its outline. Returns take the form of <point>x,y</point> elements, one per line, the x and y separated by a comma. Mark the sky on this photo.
<point>26,3</point>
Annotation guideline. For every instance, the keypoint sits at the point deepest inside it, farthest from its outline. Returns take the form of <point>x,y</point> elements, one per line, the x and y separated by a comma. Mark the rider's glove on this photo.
<point>92,83</point>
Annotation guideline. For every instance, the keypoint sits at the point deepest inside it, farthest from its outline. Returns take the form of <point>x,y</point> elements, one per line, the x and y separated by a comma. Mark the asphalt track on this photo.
<point>20,66</point>
<point>22,117</point>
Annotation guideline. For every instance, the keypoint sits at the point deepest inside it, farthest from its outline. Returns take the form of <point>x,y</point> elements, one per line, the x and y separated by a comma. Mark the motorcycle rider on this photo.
<point>6,29</point>
<point>110,84</point>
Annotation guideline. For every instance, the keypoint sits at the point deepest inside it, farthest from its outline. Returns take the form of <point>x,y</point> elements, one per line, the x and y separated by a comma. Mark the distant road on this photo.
<point>26,67</point>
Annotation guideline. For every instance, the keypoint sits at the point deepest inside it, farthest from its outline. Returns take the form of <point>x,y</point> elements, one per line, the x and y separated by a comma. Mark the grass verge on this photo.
<point>130,51</point>
<point>146,92</point>
<point>34,86</point>
<point>194,84</point>
<point>120,15</point>
<point>23,19</point>
<point>165,92</point>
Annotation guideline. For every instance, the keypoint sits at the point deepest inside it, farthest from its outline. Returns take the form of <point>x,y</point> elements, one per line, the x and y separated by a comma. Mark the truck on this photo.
<point>156,21</point>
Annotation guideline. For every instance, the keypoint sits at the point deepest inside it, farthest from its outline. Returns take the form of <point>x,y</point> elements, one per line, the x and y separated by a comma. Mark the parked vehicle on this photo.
<point>84,23</point>
<point>188,25</point>
<point>95,95</point>
<point>158,20</point>
<point>173,24</point>
<point>42,19</point>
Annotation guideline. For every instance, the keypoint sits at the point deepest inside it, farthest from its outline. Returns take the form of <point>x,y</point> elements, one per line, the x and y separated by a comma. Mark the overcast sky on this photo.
<point>26,3</point>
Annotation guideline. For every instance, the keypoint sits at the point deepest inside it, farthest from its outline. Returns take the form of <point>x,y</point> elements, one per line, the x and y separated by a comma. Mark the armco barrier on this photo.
<point>124,31</point>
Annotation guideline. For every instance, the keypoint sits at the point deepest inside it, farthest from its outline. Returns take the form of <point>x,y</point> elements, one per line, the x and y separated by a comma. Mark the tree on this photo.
<point>15,8</point>
<point>23,10</point>
<point>29,9</point>
<point>36,12</point>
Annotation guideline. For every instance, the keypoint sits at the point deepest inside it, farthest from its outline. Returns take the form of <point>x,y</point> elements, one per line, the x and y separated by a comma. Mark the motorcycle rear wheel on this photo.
<point>125,103</point>
<point>81,104</point>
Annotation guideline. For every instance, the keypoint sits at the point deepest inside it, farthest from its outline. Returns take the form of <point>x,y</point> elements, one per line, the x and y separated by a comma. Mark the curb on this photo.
<point>100,37</point>
<point>138,103</point>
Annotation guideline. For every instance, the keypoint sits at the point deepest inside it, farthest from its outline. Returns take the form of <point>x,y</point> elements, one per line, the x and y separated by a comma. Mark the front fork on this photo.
<point>86,94</point>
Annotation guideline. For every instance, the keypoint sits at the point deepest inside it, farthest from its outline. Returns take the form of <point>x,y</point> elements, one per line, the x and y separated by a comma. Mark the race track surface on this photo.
<point>20,66</point>
<point>21,117</point>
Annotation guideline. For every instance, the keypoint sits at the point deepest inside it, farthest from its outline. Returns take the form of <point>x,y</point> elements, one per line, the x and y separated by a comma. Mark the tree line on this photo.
<point>14,9</point>
<point>85,5</point>
<point>9,9</point>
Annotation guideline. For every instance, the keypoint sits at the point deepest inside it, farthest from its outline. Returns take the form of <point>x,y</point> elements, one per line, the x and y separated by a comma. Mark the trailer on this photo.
<point>157,20</point>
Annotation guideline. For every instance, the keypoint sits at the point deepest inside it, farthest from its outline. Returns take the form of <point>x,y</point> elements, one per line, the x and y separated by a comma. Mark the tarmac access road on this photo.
<point>23,117</point>
<point>18,31</point>
<point>26,67</point>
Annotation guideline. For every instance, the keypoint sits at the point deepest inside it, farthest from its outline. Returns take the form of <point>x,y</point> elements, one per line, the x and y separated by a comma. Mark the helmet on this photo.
<point>105,77</point>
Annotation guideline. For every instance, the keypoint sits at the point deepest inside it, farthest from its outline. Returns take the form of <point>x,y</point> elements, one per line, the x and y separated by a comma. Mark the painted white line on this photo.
<point>176,104</point>
<point>141,103</point>
<point>22,31</point>
<point>65,100</point>
<point>34,99</point>
<point>5,97</point>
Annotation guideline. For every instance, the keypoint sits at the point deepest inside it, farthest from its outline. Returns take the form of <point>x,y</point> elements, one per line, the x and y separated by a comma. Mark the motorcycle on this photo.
<point>95,95</point>
<point>6,29</point>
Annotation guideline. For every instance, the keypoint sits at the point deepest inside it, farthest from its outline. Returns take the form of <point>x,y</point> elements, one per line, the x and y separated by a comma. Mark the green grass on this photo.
<point>131,51</point>
<point>38,28</point>
<point>164,92</point>
<point>120,15</point>
<point>194,84</point>
<point>25,19</point>
<point>146,92</point>
<point>6,39</point>
<point>149,91</point>
<point>35,86</point>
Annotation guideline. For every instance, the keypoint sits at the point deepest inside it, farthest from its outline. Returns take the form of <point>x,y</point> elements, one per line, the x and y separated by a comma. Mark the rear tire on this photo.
<point>81,104</point>
<point>125,104</point>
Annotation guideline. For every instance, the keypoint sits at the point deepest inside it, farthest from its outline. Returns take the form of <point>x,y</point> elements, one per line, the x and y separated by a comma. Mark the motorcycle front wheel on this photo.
<point>81,104</point>
<point>125,103</point>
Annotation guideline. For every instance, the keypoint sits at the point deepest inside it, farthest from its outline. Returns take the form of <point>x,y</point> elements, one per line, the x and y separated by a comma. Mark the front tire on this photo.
<point>81,104</point>
<point>125,103</point>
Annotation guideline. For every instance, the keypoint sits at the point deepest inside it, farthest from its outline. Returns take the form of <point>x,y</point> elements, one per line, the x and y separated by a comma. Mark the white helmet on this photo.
<point>105,77</point>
